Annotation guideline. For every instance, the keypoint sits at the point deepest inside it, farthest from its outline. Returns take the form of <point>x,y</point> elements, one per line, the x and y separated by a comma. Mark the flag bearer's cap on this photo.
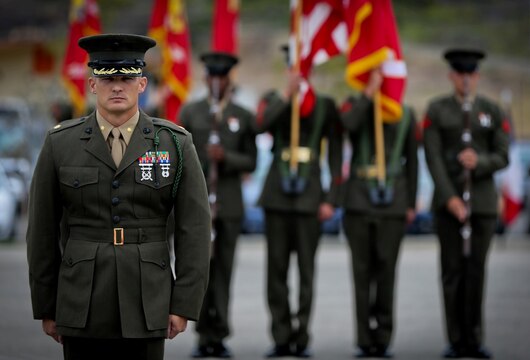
<point>218,63</point>
<point>116,54</point>
<point>464,60</point>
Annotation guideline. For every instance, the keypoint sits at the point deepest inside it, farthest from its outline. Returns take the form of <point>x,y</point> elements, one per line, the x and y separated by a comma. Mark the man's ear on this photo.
<point>92,84</point>
<point>142,84</point>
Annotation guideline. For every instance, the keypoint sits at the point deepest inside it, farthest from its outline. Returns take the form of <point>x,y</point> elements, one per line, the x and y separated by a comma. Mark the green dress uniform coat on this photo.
<point>92,286</point>
<point>463,279</point>
<point>237,138</point>
<point>374,231</point>
<point>291,222</point>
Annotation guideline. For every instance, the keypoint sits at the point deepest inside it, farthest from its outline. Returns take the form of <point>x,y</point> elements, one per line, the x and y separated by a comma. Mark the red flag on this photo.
<point>322,35</point>
<point>512,187</point>
<point>43,60</point>
<point>373,41</point>
<point>225,26</point>
<point>84,21</point>
<point>169,27</point>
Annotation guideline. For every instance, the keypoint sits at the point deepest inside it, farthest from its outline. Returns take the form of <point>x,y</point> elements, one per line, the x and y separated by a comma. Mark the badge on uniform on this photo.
<point>147,161</point>
<point>233,124</point>
<point>484,119</point>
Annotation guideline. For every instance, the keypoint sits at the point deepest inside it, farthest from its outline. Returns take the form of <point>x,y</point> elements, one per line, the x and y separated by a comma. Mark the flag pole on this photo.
<point>379,141</point>
<point>295,106</point>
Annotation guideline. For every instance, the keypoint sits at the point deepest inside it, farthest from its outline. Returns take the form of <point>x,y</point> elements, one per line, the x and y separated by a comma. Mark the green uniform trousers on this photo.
<point>374,243</point>
<point>213,324</point>
<point>289,232</point>
<point>77,348</point>
<point>463,278</point>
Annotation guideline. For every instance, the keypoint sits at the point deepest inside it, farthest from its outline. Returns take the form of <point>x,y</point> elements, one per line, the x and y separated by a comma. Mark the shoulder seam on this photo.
<point>67,125</point>
<point>169,124</point>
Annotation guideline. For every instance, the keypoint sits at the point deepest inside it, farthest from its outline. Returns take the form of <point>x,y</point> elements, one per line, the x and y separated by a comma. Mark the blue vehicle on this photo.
<point>8,204</point>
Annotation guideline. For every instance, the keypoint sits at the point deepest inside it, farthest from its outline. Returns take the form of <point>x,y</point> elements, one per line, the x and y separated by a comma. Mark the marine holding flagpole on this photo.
<point>466,140</point>
<point>295,203</point>
<point>380,193</point>
<point>107,289</point>
<point>377,211</point>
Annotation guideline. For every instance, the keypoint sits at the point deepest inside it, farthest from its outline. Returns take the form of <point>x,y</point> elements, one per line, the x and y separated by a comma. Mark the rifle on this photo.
<point>465,230</point>
<point>214,139</point>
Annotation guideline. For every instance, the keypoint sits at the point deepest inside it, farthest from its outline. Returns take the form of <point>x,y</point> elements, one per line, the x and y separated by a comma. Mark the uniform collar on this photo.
<point>126,128</point>
<point>460,99</point>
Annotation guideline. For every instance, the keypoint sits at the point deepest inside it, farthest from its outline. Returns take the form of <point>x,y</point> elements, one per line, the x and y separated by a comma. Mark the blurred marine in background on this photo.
<point>466,139</point>
<point>376,218</point>
<point>224,136</point>
<point>295,207</point>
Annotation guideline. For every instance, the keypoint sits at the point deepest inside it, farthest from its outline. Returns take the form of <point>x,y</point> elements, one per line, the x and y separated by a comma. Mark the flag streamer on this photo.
<point>169,27</point>
<point>84,21</point>
<point>225,26</point>
<point>373,42</point>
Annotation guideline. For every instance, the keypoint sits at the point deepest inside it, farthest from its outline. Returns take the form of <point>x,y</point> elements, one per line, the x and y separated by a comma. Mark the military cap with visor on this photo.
<point>116,54</point>
<point>218,63</point>
<point>464,60</point>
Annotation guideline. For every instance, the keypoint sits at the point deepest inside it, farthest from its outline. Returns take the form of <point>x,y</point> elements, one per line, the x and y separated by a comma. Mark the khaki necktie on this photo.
<point>116,146</point>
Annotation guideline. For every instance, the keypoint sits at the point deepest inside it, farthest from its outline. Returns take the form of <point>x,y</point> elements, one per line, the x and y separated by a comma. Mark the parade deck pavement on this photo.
<point>419,333</point>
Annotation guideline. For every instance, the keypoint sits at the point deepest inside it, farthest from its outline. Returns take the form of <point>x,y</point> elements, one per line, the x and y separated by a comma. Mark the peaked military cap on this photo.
<point>218,63</point>
<point>116,54</point>
<point>464,60</point>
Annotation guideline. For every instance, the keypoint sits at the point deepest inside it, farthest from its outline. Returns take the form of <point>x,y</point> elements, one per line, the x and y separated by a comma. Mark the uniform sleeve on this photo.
<point>434,156</point>
<point>184,116</point>
<point>271,109</point>
<point>43,252</point>
<point>356,112</point>
<point>411,148</point>
<point>497,158</point>
<point>244,159</point>
<point>192,237</point>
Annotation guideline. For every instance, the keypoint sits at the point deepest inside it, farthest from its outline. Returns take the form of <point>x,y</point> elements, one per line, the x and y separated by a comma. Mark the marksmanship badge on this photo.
<point>146,164</point>
<point>147,161</point>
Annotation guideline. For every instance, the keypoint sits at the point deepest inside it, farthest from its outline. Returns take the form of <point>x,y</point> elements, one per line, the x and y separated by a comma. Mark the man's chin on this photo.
<point>118,107</point>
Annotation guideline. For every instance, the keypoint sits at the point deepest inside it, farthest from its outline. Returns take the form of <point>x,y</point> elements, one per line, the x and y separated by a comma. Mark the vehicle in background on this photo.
<point>22,130</point>
<point>423,222</point>
<point>15,123</point>
<point>8,206</point>
<point>18,171</point>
